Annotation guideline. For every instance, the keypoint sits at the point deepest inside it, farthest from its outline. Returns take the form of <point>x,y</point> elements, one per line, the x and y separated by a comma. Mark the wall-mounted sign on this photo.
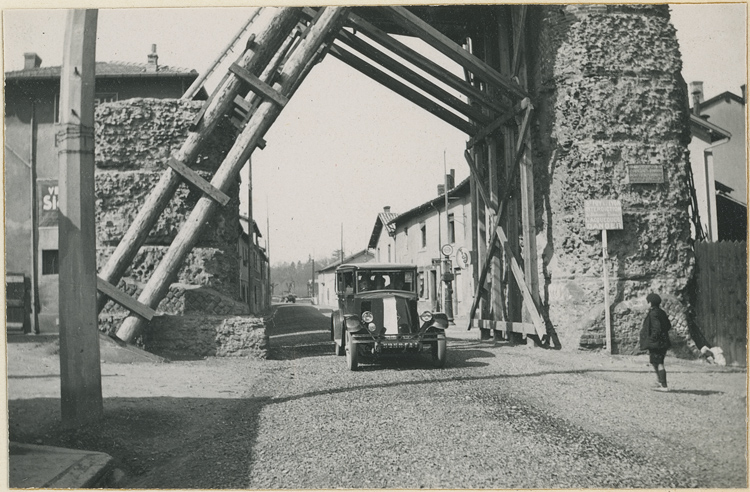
<point>447,249</point>
<point>463,258</point>
<point>47,196</point>
<point>645,173</point>
<point>603,214</point>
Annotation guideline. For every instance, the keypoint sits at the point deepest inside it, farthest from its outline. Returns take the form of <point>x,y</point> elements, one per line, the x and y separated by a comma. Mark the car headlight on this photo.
<point>372,327</point>
<point>367,317</point>
<point>426,316</point>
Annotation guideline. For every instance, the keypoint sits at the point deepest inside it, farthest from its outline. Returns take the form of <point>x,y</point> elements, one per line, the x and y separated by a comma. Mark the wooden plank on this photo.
<point>412,77</point>
<point>425,64</point>
<point>80,369</point>
<point>197,180</point>
<point>446,46</point>
<point>492,127</point>
<point>270,29</point>
<point>124,300</point>
<point>528,299</point>
<point>258,86</point>
<point>506,326</point>
<point>294,70</point>
<point>518,34</point>
<point>402,89</point>
<point>475,173</point>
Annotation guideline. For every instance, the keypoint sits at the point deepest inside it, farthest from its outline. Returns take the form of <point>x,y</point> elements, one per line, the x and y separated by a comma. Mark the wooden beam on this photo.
<point>491,128</point>
<point>412,77</point>
<point>197,180</point>
<point>506,326</point>
<point>425,64</point>
<point>258,86</point>
<point>475,173</point>
<point>271,28</point>
<point>80,368</point>
<point>446,46</point>
<point>124,300</point>
<point>518,44</point>
<point>528,298</point>
<point>295,69</point>
<point>402,89</point>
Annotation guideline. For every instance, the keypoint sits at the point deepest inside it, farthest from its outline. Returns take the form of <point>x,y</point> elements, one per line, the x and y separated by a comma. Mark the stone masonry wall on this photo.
<point>134,140</point>
<point>607,94</point>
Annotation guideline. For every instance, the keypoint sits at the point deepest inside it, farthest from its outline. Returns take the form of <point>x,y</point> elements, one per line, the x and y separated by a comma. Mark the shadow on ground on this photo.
<point>147,435</point>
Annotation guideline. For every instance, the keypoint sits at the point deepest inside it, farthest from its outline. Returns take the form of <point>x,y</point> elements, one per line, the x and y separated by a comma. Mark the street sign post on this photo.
<point>603,215</point>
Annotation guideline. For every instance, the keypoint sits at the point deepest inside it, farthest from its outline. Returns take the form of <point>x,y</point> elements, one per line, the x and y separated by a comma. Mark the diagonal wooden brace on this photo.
<point>124,300</point>
<point>198,181</point>
<point>528,299</point>
<point>258,86</point>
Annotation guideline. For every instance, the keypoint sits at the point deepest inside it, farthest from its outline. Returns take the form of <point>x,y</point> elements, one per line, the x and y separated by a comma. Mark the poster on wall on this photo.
<point>47,195</point>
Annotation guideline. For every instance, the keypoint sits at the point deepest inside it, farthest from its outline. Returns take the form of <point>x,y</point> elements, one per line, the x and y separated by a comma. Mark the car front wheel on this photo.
<point>352,357</point>
<point>439,352</point>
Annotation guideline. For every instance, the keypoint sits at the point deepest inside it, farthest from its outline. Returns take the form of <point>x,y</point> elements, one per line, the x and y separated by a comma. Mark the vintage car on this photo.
<point>377,315</point>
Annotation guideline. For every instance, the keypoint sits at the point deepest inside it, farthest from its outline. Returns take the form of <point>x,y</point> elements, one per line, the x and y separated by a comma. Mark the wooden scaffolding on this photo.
<point>494,110</point>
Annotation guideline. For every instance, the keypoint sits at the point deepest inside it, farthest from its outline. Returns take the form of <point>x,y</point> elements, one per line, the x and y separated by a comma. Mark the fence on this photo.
<point>721,297</point>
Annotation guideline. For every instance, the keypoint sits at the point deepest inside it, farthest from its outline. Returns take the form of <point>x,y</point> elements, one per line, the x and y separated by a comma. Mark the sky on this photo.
<point>344,147</point>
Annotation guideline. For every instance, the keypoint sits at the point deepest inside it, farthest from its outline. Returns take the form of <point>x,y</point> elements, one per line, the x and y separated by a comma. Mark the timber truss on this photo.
<point>494,111</point>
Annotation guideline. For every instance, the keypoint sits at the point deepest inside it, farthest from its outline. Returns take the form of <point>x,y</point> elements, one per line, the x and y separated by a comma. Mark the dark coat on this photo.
<point>655,330</point>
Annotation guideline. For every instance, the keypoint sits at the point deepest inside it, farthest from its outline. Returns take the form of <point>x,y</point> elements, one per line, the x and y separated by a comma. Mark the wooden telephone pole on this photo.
<point>80,370</point>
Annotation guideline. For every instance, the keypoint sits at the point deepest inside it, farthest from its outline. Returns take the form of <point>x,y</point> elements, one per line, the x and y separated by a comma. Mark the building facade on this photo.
<point>325,278</point>
<point>718,158</point>
<point>382,242</point>
<point>255,279</point>
<point>31,165</point>
<point>419,235</point>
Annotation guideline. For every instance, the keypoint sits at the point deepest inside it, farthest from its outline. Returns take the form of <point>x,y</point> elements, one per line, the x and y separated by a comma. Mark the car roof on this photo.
<point>376,266</point>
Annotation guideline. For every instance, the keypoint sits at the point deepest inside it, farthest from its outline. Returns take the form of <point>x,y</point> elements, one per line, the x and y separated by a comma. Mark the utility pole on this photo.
<point>447,249</point>
<point>80,370</point>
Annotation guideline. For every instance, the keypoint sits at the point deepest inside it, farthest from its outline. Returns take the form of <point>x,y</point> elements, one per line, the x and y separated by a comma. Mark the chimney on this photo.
<point>153,60</point>
<point>743,88</point>
<point>31,60</point>
<point>696,91</point>
<point>451,179</point>
<point>387,210</point>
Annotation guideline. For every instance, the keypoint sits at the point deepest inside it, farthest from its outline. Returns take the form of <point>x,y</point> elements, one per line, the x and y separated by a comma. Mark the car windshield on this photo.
<point>369,280</point>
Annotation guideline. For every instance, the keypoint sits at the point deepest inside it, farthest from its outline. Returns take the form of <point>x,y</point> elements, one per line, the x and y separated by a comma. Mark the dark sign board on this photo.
<point>47,194</point>
<point>603,214</point>
<point>645,173</point>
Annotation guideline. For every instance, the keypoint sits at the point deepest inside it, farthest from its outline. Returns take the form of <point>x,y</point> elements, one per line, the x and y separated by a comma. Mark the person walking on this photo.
<point>654,337</point>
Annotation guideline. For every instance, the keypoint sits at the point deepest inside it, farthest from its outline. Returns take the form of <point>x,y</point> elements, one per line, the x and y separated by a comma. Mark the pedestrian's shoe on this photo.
<point>663,389</point>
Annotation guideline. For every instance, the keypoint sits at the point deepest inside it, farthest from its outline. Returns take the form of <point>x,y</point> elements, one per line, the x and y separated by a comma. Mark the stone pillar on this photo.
<point>609,95</point>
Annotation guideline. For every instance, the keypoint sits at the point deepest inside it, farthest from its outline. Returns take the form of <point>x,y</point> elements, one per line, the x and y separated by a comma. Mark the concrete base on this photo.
<point>59,468</point>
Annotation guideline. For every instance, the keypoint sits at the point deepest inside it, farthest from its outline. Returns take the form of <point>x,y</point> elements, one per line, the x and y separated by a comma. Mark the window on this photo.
<point>423,229</point>
<point>451,229</point>
<point>104,97</point>
<point>50,262</point>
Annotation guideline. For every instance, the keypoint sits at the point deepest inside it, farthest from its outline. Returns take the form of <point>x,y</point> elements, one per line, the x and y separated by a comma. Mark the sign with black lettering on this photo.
<point>603,214</point>
<point>645,173</point>
<point>47,196</point>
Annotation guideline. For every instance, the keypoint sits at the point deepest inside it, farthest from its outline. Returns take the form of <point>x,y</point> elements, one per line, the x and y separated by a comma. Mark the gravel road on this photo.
<point>498,416</point>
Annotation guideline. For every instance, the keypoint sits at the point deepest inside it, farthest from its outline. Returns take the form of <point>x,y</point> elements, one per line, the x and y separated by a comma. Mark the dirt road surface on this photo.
<point>498,416</point>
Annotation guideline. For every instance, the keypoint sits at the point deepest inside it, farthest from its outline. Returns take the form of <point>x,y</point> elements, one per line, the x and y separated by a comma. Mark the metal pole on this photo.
<point>447,274</point>
<point>607,322</point>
